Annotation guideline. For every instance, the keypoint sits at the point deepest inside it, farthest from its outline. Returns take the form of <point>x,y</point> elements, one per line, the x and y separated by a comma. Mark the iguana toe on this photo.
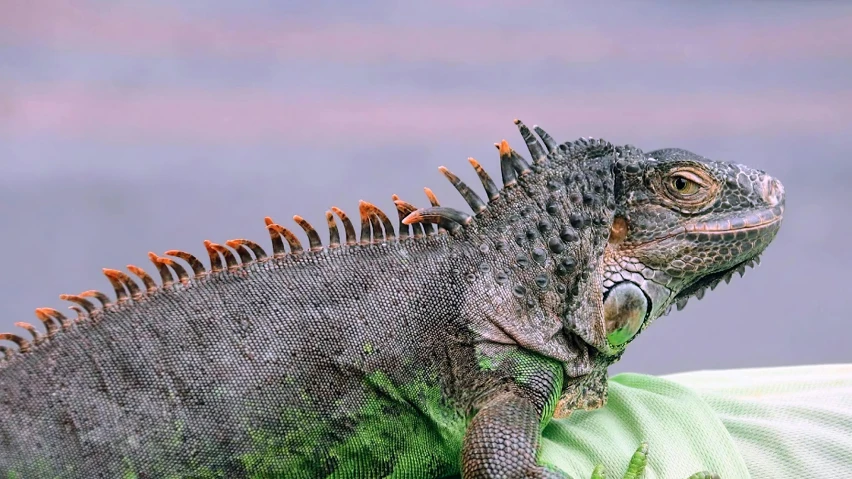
<point>638,462</point>
<point>636,467</point>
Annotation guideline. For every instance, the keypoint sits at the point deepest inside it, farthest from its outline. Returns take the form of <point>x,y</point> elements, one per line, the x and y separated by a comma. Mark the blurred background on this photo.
<point>130,126</point>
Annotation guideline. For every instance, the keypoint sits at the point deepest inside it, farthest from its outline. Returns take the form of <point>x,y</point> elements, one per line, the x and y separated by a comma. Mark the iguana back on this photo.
<point>369,357</point>
<point>237,366</point>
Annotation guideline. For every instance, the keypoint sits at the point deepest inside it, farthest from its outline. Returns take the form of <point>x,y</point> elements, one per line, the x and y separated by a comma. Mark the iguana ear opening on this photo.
<point>618,230</point>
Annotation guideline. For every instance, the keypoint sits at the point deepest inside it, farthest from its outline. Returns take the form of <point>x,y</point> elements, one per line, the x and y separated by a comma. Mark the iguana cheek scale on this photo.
<point>439,345</point>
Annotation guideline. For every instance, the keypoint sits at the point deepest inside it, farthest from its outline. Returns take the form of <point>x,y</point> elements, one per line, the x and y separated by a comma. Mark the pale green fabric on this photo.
<point>791,422</point>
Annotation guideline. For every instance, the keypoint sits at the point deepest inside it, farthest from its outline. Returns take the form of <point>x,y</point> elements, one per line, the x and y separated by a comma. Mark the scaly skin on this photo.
<point>420,355</point>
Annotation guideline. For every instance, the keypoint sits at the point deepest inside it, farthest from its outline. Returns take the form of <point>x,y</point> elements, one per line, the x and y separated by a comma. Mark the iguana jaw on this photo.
<point>663,287</point>
<point>766,229</point>
<point>712,280</point>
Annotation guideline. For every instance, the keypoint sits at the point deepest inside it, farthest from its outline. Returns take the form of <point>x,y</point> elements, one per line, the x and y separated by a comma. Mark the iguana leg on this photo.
<point>502,440</point>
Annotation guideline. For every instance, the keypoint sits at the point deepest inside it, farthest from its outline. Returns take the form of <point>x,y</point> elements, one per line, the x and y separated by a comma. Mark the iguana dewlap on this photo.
<point>395,350</point>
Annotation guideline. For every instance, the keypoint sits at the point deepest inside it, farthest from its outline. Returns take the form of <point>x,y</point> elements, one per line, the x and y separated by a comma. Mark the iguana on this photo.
<point>437,347</point>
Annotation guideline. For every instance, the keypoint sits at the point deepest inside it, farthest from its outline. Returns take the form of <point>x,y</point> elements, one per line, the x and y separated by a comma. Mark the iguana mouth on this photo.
<point>703,227</point>
<point>756,222</point>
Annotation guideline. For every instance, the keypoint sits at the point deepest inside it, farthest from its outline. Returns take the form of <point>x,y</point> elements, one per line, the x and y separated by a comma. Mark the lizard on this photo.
<point>436,345</point>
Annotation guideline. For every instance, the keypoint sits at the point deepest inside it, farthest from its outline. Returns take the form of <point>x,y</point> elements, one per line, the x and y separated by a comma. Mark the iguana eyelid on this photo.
<point>688,175</point>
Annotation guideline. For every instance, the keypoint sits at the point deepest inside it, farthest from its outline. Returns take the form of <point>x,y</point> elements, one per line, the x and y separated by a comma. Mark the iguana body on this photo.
<point>406,352</point>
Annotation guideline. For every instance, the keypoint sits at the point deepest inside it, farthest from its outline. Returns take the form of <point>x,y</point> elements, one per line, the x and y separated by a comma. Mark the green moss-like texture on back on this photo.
<point>403,430</point>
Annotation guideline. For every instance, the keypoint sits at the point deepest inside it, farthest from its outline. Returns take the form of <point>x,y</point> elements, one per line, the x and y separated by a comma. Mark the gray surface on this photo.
<point>131,129</point>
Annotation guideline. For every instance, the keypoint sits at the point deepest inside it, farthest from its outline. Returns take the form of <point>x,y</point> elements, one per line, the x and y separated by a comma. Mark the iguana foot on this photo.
<point>637,464</point>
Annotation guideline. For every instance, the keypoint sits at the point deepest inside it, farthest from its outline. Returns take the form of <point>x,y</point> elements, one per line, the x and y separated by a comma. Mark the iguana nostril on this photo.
<point>772,191</point>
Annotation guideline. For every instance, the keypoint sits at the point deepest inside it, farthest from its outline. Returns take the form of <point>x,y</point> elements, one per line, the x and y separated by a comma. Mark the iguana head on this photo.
<point>682,224</point>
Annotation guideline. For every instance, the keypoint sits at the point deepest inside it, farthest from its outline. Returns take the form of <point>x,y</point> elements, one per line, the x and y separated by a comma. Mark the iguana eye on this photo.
<point>682,185</point>
<point>688,188</point>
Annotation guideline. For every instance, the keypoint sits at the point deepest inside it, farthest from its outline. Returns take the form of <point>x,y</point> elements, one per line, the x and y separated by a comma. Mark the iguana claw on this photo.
<point>637,464</point>
<point>599,472</point>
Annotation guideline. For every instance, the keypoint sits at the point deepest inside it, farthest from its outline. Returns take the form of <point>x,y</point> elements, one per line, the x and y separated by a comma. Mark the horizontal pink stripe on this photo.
<point>161,30</point>
<point>255,115</point>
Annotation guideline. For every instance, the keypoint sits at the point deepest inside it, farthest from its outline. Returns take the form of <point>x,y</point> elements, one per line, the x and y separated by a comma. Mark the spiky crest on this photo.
<point>414,224</point>
<point>103,298</point>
